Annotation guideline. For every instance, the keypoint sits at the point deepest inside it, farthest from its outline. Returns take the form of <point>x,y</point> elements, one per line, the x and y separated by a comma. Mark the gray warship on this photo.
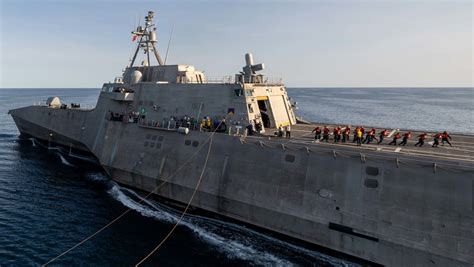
<point>393,206</point>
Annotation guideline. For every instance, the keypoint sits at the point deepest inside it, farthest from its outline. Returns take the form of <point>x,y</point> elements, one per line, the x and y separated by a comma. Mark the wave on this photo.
<point>97,177</point>
<point>231,248</point>
<point>64,161</point>
<point>233,240</point>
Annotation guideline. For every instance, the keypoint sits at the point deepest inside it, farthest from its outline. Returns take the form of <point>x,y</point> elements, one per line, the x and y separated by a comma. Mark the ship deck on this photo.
<point>462,149</point>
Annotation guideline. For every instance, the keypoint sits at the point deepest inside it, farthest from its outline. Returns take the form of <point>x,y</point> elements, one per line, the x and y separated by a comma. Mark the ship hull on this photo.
<point>391,210</point>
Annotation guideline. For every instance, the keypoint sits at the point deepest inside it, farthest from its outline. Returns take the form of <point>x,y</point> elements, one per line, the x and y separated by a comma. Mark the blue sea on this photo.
<point>49,203</point>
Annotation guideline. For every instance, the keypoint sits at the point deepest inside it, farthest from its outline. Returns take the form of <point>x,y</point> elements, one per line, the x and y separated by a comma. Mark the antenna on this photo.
<point>169,42</point>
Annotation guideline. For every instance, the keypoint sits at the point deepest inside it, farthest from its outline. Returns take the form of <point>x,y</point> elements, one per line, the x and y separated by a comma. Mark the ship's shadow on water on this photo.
<point>55,183</point>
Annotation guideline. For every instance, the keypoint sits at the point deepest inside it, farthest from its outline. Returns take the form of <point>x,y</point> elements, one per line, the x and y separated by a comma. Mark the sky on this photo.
<point>82,44</point>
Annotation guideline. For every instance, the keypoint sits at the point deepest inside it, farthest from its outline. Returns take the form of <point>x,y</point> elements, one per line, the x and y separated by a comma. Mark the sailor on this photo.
<point>258,126</point>
<point>446,137</point>
<point>249,129</point>
<point>317,133</point>
<point>203,124</point>
<point>337,134</point>
<point>406,136</point>
<point>345,135</point>
<point>359,136</point>
<point>280,131</point>
<point>288,131</point>
<point>355,134</point>
<point>421,139</point>
<point>325,134</point>
<point>395,138</point>
<point>370,136</point>
<point>208,123</point>
<point>436,139</point>
<point>382,135</point>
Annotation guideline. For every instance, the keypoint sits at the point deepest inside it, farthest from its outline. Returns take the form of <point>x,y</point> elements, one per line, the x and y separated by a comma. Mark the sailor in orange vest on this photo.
<point>406,136</point>
<point>337,134</point>
<point>325,134</point>
<point>370,136</point>
<point>382,136</point>
<point>317,133</point>
<point>436,139</point>
<point>445,137</point>
<point>395,138</point>
<point>345,135</point>
<point>421,139</point>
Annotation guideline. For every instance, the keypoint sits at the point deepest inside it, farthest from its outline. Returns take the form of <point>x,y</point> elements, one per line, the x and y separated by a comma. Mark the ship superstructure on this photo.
<point>397,207</point>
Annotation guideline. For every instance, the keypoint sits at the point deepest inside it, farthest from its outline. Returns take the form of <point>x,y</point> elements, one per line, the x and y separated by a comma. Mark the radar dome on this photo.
<point>136,76</point>
<point>53,102</point>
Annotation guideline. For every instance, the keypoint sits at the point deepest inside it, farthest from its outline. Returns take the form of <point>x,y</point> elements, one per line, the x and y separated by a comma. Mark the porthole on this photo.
<point>187,142</point>
<point>146,144</point>
<point>195,143</point>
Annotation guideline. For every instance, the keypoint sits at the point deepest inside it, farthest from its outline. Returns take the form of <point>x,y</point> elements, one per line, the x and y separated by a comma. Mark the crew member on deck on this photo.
<point>359,136</point>
<point>382,136</point>
<point>436,139</point>
<point>445,138</point>
<point>337,134</point>
<point>325,134</point>
<point>370,136</point>
<point>317,133</point>
<point>280,131</point>
<point>355,134</point>
<point>395,138</point>
<point>288,131</point>
<point>345,135</point>
<point>404,141</point>
<point>421,139</point>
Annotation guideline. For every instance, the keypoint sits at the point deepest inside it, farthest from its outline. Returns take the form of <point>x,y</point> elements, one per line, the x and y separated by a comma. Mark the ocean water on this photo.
<point>49,202</point>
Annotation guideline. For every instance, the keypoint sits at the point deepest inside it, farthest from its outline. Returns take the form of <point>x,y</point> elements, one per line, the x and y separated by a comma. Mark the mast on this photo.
<point>147,40</point>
